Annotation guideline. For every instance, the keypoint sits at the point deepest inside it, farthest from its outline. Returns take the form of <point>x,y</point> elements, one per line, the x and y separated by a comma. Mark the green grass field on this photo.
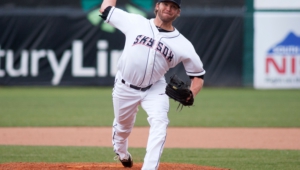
<point>235,159</point>
<point>91,106</point>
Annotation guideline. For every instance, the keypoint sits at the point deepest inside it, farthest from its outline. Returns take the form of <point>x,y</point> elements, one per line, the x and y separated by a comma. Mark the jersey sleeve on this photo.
<point>192,63</point>
<point>121,20</point>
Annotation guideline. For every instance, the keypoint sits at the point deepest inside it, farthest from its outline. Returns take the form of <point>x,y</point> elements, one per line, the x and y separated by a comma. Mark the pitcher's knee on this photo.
<point>159,126</point>
<point>161,120</point>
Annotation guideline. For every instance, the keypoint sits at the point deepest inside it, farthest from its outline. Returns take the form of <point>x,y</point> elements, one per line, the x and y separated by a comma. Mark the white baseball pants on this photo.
<point>156,103</point>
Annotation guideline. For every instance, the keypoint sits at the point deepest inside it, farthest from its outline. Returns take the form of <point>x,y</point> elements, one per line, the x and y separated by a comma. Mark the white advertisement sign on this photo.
<point>276,50</point>
<point>276,4</point>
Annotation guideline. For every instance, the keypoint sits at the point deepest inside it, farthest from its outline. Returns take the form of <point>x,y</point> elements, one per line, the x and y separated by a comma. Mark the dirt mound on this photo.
<point>97,166</point>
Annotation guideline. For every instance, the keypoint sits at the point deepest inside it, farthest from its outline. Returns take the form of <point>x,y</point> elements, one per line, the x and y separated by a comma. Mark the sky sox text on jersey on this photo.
<point>160,47</point>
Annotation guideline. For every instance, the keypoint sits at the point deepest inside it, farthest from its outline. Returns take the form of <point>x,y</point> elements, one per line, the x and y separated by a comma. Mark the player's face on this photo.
<point>167,11</point>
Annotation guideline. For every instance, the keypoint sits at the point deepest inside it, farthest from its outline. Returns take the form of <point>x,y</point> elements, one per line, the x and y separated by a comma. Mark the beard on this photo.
<point>166,18</point>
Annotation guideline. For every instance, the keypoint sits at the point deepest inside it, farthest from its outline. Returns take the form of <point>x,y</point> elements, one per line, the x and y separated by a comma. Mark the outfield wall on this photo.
<point>249,43</point>
<point>73,47</point>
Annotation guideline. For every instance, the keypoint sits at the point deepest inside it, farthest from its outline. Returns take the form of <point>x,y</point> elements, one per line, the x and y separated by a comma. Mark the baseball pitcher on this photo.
<point>152,47</point>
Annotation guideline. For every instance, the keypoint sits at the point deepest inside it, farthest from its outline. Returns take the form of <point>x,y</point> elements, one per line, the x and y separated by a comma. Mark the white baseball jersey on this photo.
<point>148,54</point>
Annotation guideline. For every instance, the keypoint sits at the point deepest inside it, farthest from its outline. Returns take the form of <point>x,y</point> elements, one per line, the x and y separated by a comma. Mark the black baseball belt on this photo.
<point>136,87</point>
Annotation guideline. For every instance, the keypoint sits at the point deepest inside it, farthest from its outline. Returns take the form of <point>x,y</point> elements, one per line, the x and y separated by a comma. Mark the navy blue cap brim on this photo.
<point>178,5</point>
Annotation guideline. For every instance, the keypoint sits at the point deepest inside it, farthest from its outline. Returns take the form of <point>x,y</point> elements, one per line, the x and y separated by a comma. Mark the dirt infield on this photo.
<point>247,138</point>
<point>97,166</point>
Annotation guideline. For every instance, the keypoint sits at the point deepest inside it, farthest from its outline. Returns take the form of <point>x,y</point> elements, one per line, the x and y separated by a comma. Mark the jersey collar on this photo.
<point>174,33</point>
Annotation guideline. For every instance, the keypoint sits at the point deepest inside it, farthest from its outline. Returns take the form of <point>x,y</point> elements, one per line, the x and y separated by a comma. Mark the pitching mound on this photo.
<point>97,166</point>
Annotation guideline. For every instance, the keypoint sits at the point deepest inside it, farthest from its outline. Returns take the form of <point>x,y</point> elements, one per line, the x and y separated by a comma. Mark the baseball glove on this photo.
<point>180,92</point>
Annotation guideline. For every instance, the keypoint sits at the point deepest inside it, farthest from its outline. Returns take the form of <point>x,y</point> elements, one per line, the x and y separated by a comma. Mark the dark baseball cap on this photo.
<point>177,2</point>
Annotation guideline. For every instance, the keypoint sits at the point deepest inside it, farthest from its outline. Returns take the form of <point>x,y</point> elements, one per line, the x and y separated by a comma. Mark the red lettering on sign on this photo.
<point>270,61</point>
<point>293,65</point>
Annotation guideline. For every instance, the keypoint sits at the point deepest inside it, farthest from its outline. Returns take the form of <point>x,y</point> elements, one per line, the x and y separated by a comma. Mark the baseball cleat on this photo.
<point>126,162</point>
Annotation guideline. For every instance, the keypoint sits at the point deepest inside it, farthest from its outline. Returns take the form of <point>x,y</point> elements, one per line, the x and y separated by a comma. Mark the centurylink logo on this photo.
<point>132,6</point>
